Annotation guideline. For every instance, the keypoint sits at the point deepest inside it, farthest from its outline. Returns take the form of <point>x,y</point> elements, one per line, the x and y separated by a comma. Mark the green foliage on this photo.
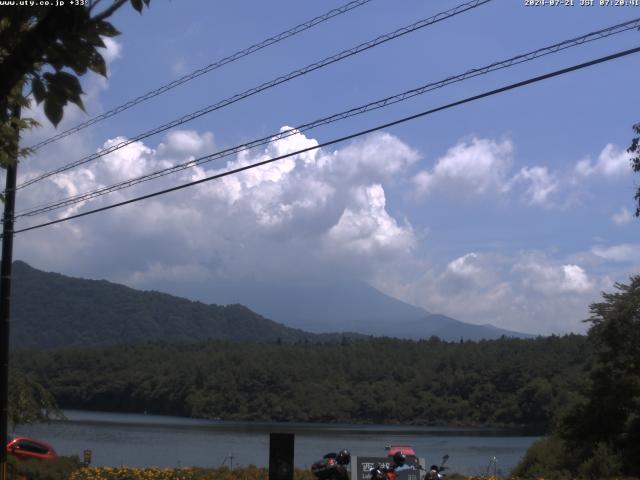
<point>500,382</point>
<point>598,436</point>
<point>9,131</point>
<point>634,149</point>
<point>29,401</point>
<point>610,416</point>
<point>544,459</point>
<point>603,462</point>
<point>48,48</point>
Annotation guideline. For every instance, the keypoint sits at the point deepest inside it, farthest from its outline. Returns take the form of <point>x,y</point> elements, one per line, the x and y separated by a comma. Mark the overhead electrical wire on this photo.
<point>489,93</point>
<point>201,71</point>
<point>529,56</point>
<point>277,81</point>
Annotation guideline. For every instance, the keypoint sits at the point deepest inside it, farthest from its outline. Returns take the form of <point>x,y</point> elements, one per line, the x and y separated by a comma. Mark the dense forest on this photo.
<point>494,382</point>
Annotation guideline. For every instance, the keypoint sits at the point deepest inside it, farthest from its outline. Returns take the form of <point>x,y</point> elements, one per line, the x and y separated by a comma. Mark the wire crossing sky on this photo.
<point>201,71</point>
<point>513,86</point>
<point>514,211</point>
<point>462,8</point>
<point>525,57</point>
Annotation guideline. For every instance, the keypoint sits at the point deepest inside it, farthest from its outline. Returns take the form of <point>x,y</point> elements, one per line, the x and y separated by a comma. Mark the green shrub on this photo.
<point>603,463</point>
<point>546,458</point>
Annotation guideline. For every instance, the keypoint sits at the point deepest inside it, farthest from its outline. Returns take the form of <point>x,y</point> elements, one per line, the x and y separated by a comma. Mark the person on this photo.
<point>433,473</point>
<point>400,462</point>
<point>399,465</point>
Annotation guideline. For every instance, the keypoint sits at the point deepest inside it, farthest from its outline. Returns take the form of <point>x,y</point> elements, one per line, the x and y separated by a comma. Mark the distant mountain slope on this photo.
<point>51,310</point>
<point>339,306</point>
<point>343,306</point>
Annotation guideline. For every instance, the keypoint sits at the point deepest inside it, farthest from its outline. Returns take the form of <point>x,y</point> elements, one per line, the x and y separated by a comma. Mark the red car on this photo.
<point>23,447</point>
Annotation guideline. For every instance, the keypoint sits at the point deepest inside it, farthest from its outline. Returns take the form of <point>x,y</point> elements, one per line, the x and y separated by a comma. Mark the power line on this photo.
<point>201,71</point>
<point>344,138</point>
<point>277,81</point>
<point>592,36</point>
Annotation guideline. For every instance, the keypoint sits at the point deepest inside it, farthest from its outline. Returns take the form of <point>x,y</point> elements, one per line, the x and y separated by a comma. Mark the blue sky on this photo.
<point>515,210</point>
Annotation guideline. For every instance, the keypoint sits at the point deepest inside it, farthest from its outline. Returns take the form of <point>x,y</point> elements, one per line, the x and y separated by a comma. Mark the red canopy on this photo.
<point>406,449</point>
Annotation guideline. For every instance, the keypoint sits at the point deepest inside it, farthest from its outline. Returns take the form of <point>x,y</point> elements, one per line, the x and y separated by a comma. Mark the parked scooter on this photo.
<point>332,466</point>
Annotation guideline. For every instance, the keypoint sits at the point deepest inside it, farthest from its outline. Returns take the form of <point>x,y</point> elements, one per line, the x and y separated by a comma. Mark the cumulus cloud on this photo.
<point>323,213</point>
<point>541,185</point>
<point>330,203</point>
<point>547,278</point>
<point>474,166</point>
<point>611,162</point>
<point>365,227</point>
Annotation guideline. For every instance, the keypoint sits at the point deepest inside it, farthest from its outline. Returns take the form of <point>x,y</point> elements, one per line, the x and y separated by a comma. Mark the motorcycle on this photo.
<point>332,466</point>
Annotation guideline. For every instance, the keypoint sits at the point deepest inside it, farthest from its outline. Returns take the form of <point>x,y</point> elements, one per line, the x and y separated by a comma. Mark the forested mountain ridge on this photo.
<point>494,382</point>
<point>50,310</point>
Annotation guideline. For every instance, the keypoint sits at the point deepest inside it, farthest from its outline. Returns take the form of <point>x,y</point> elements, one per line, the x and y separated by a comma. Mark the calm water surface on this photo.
<point>152,440</point>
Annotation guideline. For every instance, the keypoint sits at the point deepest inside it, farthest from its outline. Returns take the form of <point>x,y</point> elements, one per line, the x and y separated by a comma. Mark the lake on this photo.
<point>152,440</point>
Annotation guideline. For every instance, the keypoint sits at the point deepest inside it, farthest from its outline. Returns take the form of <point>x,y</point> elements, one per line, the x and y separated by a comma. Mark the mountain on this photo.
<point>342,305</point>
<point>50,310</point>
<point>346,306</point>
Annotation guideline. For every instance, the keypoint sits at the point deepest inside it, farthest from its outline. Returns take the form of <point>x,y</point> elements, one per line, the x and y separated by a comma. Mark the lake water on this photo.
<point>152,440</point>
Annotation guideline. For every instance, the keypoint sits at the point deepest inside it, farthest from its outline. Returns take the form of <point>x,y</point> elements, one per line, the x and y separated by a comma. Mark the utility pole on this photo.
<point>5,291</point>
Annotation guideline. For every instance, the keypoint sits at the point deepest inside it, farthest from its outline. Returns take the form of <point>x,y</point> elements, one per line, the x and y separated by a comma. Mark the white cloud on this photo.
<point>547,278</point>
<point>322,208</point>
<point>626,252</point>
<point>541,185</point>
<point>374,159</point>
<point>476,166</point>
<point>622,217</point>
<point>525,291</point>
<point>611,162</point>
<point>112,50</point>
<point>465,266</point>
<point>186,142</point>
<point>130,161</point>
<point>323,213</point>
<point>367,228</point>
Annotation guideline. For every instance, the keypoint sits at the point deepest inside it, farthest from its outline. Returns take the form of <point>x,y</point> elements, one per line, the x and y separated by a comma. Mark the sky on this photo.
<point>515,210</point>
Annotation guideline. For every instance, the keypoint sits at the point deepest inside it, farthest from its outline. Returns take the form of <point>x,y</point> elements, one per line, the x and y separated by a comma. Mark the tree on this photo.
<point>635,161</point>
<point>598,436</point>
<point>47,48</point>
<point>602,433</point>
<point>29,401</point>
<point>612,411</point>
